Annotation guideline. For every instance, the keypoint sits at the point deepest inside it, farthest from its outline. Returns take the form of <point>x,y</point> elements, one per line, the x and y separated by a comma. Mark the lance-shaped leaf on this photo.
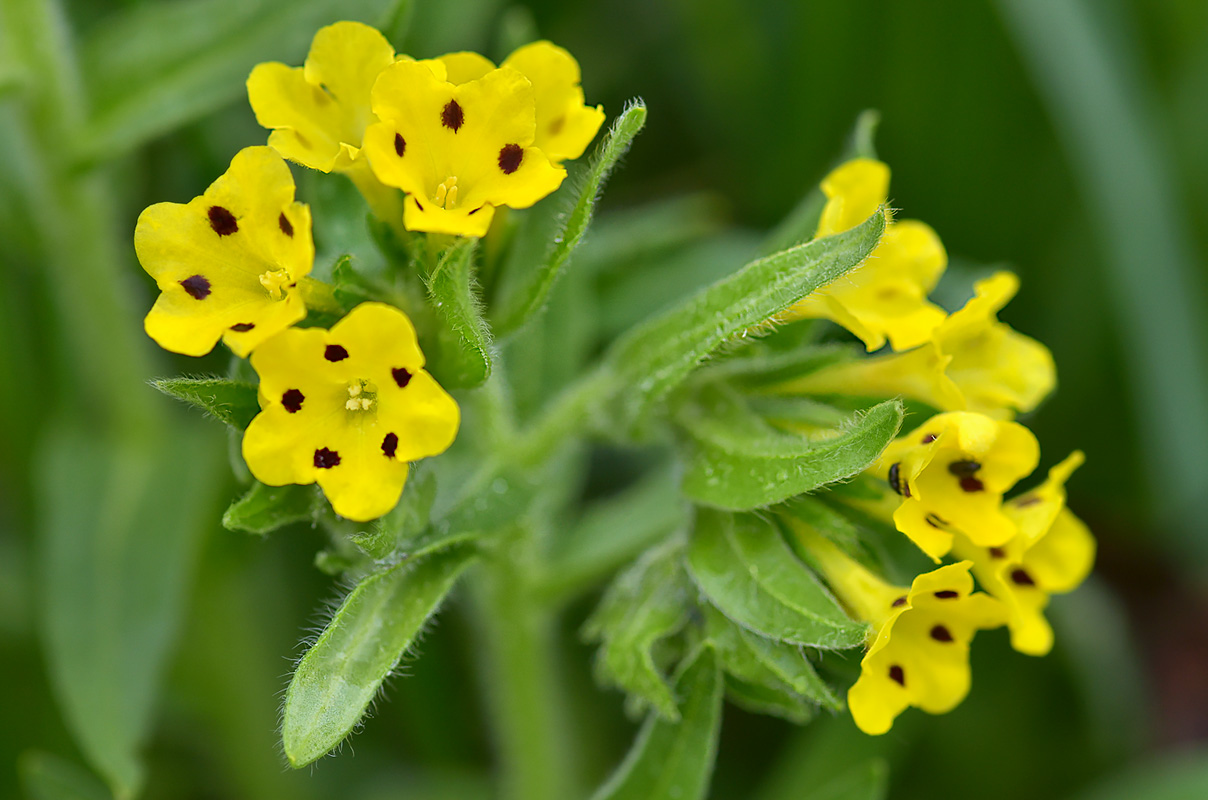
<point>744,567</point>
<point>372,629</point>
<point>675,759</point>
<point>463,354</point>
<point>655,356</point>
<point>648,602</point>
<point>233,402</point>
<point>532,289</point>
<point>758,368</point>
<point>266,508</point>
<point>737,461</point>
<point>776,666</point>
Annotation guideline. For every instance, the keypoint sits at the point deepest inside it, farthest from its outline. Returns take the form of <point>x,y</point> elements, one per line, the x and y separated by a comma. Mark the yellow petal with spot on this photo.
<point>565,126</point>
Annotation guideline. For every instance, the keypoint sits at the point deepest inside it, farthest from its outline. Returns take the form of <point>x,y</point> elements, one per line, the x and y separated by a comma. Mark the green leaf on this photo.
<point>655,356</point>
<point>121,525</point>
<point>462,358</point>
<point>648,602</point>
<point>45,776</point>
<point>375,625</point>
<point>265,508</point>
<point>754,369</point>
<point>763,662</point>
<point>737,461</point>
<point>674,760</point>
<point>744,567</point>
<point>158,66</point>
<point>771,700</point>
<point>232,402</point>
<point>520,304</point>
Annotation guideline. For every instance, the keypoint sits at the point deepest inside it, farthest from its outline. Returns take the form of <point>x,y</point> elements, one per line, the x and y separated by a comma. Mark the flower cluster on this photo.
<point>945,481</point>
<point>349,407</point>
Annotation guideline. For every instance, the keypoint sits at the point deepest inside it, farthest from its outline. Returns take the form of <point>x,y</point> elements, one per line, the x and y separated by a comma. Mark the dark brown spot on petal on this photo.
<point>897,675</point>
<point>292,400</point>
<point>197,286</point>
<point>285,225</point>
<point>947,594</point>
<point>965,470</point>
<point>335,352</point>
<point>941,634</point>
<point>418,204</point>
<point>895,480</point>
<point>400,144</point>
<point>510,156</point>
<point>936,521</point>
<point>222,221</point>
<point>929,438</point>
<point>971,484</point>
<point>243,327</point>
<point>326,459</point>
<point>452,117</point>
<point>901,601</point>
<point>997,552</point>
<point>390,445</point>
<point>401,376</point>
<point>556,125</point>
<point>1027,500</point>
<point>1022,578</point>
<point>475,211</point>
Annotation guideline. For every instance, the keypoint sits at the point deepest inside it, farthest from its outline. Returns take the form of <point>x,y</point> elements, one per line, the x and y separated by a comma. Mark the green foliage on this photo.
<point>372,629</point>
<point>265,508</point>
<point>737,461</point>
<point>463,354</point>
<point>232,402</point>
<point>744,568</point>
<point>672,760</point>
<point>648,602</point>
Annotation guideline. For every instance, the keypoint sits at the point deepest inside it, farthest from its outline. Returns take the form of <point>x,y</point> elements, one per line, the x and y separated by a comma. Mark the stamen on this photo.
<point>362,396</point>
<point>274,282</point>
<point>446,193</point>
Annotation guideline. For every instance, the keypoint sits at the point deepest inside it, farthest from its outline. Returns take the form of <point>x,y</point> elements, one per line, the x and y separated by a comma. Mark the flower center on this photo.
<point>446,193</point>
<point>274,282</point>
<point>362,396</point>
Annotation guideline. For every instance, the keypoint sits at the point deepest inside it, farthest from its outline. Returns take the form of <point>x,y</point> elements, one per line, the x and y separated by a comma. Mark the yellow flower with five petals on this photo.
<point>886,295</point>
<point>457,150</point>
<point>228,262</point>
<point>1052,554</point>
<point>348,408</point>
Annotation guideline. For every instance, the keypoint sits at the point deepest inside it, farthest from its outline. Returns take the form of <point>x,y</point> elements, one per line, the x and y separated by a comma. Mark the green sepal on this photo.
<point>370,632</point>
<point>232,402</point>
<point>674,759</point>
<point>647,603</point>
<point>743,566</point>
<point>263,509</point>
<point>518,305</point>
<point>462,356</point>
<point>779,667</point>
<point>654,357</point>
<point>735,460</point>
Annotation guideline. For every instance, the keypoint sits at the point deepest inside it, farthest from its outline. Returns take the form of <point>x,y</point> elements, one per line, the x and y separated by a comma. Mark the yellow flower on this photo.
<point>227,263</point>
<point>565,126</point>
<point>886,296</point>
<point>458,151</point>
<point>1052,554</point>
<point>951,473</point>
<point>972,362</point>
<point>348,408</point>
<point>319,112</point>
<point>919,654</point>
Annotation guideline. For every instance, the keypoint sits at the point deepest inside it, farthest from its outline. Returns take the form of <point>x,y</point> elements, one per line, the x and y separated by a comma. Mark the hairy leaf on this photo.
<point>744,567</point>
<point>379,619</point>
<point>463,354</point>
<point>265,508</point>
<point>232,402</point>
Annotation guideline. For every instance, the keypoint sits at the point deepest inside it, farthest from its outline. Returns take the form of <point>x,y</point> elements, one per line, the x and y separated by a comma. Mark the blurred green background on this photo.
<point>1063,139</point>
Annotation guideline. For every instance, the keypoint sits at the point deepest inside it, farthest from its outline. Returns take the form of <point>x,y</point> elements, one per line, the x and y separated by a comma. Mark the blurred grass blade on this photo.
<point>801,223</point>
<point>648,602</point>
<point>157,66</point>
<point>1098,96</point>
<point>375,625</point>
<point>232,402</point>
<point>674,760</point>
<point>45,776</point>
<point>462,358</point>
<point>744,567</point>
<point>738,462</point>
<point>263,509</point>
<point>655,356</point>
<point>526,299</point>
<point>121,527</point>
